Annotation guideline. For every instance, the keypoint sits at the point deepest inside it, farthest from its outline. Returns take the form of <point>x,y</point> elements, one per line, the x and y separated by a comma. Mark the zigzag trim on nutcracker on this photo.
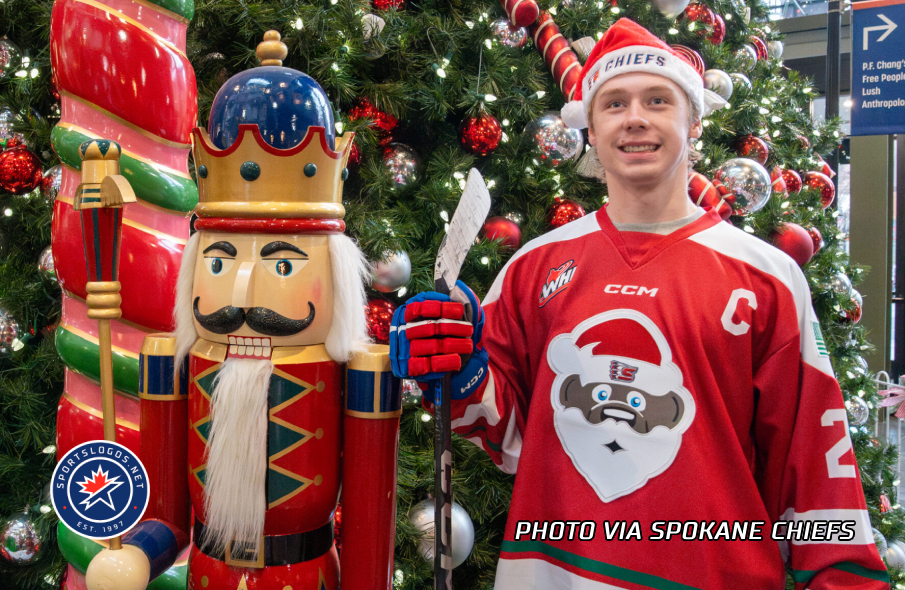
<point>123,122</point>
<point>202,138</point>
<point>304,482</point>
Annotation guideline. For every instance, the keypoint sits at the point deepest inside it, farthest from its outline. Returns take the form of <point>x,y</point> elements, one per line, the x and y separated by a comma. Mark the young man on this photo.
<point>651,365</point>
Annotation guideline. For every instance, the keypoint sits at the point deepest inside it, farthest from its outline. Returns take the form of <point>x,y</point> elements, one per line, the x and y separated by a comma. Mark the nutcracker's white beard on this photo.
<point>613,475</point>
<point>235,498</point>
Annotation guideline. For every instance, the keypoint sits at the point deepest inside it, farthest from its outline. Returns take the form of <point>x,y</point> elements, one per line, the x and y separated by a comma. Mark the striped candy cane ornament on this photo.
<point>521,13</point>
<point>558,55</point>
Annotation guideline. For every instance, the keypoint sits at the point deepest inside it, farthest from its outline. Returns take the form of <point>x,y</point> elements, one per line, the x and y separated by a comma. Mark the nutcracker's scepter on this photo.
<point>463,229</point>
<point>100,198</point>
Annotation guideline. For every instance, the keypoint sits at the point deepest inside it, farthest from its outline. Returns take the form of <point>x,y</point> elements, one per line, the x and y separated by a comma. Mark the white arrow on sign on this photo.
<point>889,27</point>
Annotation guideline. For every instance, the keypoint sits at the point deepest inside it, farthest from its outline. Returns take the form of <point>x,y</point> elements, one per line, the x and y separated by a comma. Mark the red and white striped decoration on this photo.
<point>521,13</point>
<point>559,56</point>
<point>779,184</point>
<point>705,193</point>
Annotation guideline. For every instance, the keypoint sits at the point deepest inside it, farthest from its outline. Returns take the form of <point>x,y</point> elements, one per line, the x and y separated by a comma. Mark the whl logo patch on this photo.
<point>557,281</point>
<point>100,489</point>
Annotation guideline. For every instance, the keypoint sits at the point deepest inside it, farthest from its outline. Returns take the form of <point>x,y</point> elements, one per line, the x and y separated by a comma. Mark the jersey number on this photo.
<point>839,449</point>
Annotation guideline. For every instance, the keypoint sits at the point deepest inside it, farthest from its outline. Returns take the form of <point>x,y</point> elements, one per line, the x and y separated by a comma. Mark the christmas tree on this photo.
<point>432,89</point>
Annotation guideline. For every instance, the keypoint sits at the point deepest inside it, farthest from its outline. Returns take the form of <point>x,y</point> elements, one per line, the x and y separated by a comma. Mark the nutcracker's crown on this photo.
<point>271,154</point>
<point>251,179</point>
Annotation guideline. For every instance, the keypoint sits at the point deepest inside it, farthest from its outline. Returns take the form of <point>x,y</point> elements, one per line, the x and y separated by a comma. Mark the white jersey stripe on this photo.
<point>537,574</point>
<point>734,243</point>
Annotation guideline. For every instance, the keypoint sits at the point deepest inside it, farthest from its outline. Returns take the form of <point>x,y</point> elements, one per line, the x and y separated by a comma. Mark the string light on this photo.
<point>489,97</point>
<point>673,31</point>
<point>299,24</point>
<point>485,261</point>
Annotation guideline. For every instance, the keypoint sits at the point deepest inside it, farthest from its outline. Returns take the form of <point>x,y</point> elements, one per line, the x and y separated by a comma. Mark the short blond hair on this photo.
<point>595,168</point>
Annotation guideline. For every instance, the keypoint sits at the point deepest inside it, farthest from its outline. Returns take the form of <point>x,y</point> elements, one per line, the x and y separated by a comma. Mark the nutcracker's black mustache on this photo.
<point>260,319</point>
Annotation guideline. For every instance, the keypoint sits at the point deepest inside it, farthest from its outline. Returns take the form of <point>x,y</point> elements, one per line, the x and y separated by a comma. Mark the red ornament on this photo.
<point>15,141</point>
<point>851,314</point>
<point>753,147</point>
<point>501,228</point>
<point>704,193</point>
<point>337,527</point>
<point>563,211</point>
<point>719,30</point>
<point>885,505</point>
<point>779,185</point>
<point>380,314</point>
<point>521,13</point>
<point>795,241</point>
<point>388,4</point>
<point>383,122</point>
<point>820,181</point>
<point>20,171</point>
<point>480,135</point>
<point>805,143</point>
<point>692,57</point>
<point>354,157</point>
<point>792,180</point>
<point>817,238</point>
<point>700,14</point>
<point>759,47</point>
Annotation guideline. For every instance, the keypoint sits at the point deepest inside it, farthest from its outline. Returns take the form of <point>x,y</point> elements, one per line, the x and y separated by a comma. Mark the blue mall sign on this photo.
<point>878,67</point>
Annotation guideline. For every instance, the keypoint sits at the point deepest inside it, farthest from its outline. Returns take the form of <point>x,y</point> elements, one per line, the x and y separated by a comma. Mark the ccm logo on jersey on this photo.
<point>630,290</point>
<point>557,280</point>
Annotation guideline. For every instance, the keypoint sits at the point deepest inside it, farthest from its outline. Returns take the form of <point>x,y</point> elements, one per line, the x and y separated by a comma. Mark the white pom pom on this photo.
<point>573,115</point>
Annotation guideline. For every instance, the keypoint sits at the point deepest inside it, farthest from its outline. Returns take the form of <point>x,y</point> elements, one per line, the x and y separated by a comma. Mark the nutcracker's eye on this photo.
<point>601,393</point>
<point>637,401</point>
<point>284,268</point>
<point>218,265</point>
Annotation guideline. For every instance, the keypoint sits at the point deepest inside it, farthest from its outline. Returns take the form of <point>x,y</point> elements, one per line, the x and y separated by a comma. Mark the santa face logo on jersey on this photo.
<point>619,407</point>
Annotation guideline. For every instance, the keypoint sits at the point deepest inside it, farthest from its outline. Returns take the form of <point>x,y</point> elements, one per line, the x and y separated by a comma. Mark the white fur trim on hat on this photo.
<point>636,58</point>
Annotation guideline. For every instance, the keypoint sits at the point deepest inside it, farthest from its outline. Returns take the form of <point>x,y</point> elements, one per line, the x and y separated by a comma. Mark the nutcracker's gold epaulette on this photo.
<point>372,392</point>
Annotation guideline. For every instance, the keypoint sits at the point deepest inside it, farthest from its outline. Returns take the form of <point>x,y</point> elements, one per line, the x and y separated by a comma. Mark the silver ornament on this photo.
<point>553,141</point>
<point>51,183</point>
<point>670,8</point>
<point>718,81</point>
<point>739,79</point>
<point>774,49</point>
<point>748,181</point>
<point>422,516</point>
<point>858,411</point>
<point>880,541</point>
<point>403,164</point>
<point>508,34</point>
<point>862,365</point>
<point>841,284</point>
<point>391,273</point>
<point>746,57</point>
<point>895,556</point>
<point>411,393</point>
<point>9,334</point>
<point>19,541</point>
<point>7,117</point>
<point>10,58</point>
<point>45,265</point>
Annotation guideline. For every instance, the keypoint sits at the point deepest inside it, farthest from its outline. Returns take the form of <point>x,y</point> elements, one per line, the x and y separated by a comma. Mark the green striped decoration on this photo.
<point>83,357</point>
<point>184,8</point>
<point>157,187</point>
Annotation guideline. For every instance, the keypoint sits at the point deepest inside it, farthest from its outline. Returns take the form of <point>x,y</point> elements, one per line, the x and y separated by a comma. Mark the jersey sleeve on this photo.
<point>806,466</point>
<point>494,416</point>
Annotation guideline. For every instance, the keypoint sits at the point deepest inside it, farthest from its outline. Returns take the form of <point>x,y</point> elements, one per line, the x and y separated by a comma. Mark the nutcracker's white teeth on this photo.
<point>246,347</point>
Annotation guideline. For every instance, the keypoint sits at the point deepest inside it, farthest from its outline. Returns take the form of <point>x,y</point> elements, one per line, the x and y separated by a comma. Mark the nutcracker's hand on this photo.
<point>433,334</point>
<point>123,569</point>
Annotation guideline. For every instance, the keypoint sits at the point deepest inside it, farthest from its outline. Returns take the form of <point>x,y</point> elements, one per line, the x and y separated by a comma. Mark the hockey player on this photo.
<point>650,364</point>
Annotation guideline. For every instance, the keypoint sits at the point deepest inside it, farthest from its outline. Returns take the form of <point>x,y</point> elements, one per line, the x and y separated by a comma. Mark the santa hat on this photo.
<point>620,346</point>
<point>629,47</point>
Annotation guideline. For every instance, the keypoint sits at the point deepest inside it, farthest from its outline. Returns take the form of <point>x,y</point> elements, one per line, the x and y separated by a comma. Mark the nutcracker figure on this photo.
<point>278,400</point>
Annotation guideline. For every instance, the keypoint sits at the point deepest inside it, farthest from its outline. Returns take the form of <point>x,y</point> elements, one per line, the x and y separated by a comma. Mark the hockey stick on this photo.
<point>463,229</point>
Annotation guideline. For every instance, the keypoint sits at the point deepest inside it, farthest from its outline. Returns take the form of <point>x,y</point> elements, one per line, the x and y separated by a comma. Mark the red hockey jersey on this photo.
<point>683,391</point>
